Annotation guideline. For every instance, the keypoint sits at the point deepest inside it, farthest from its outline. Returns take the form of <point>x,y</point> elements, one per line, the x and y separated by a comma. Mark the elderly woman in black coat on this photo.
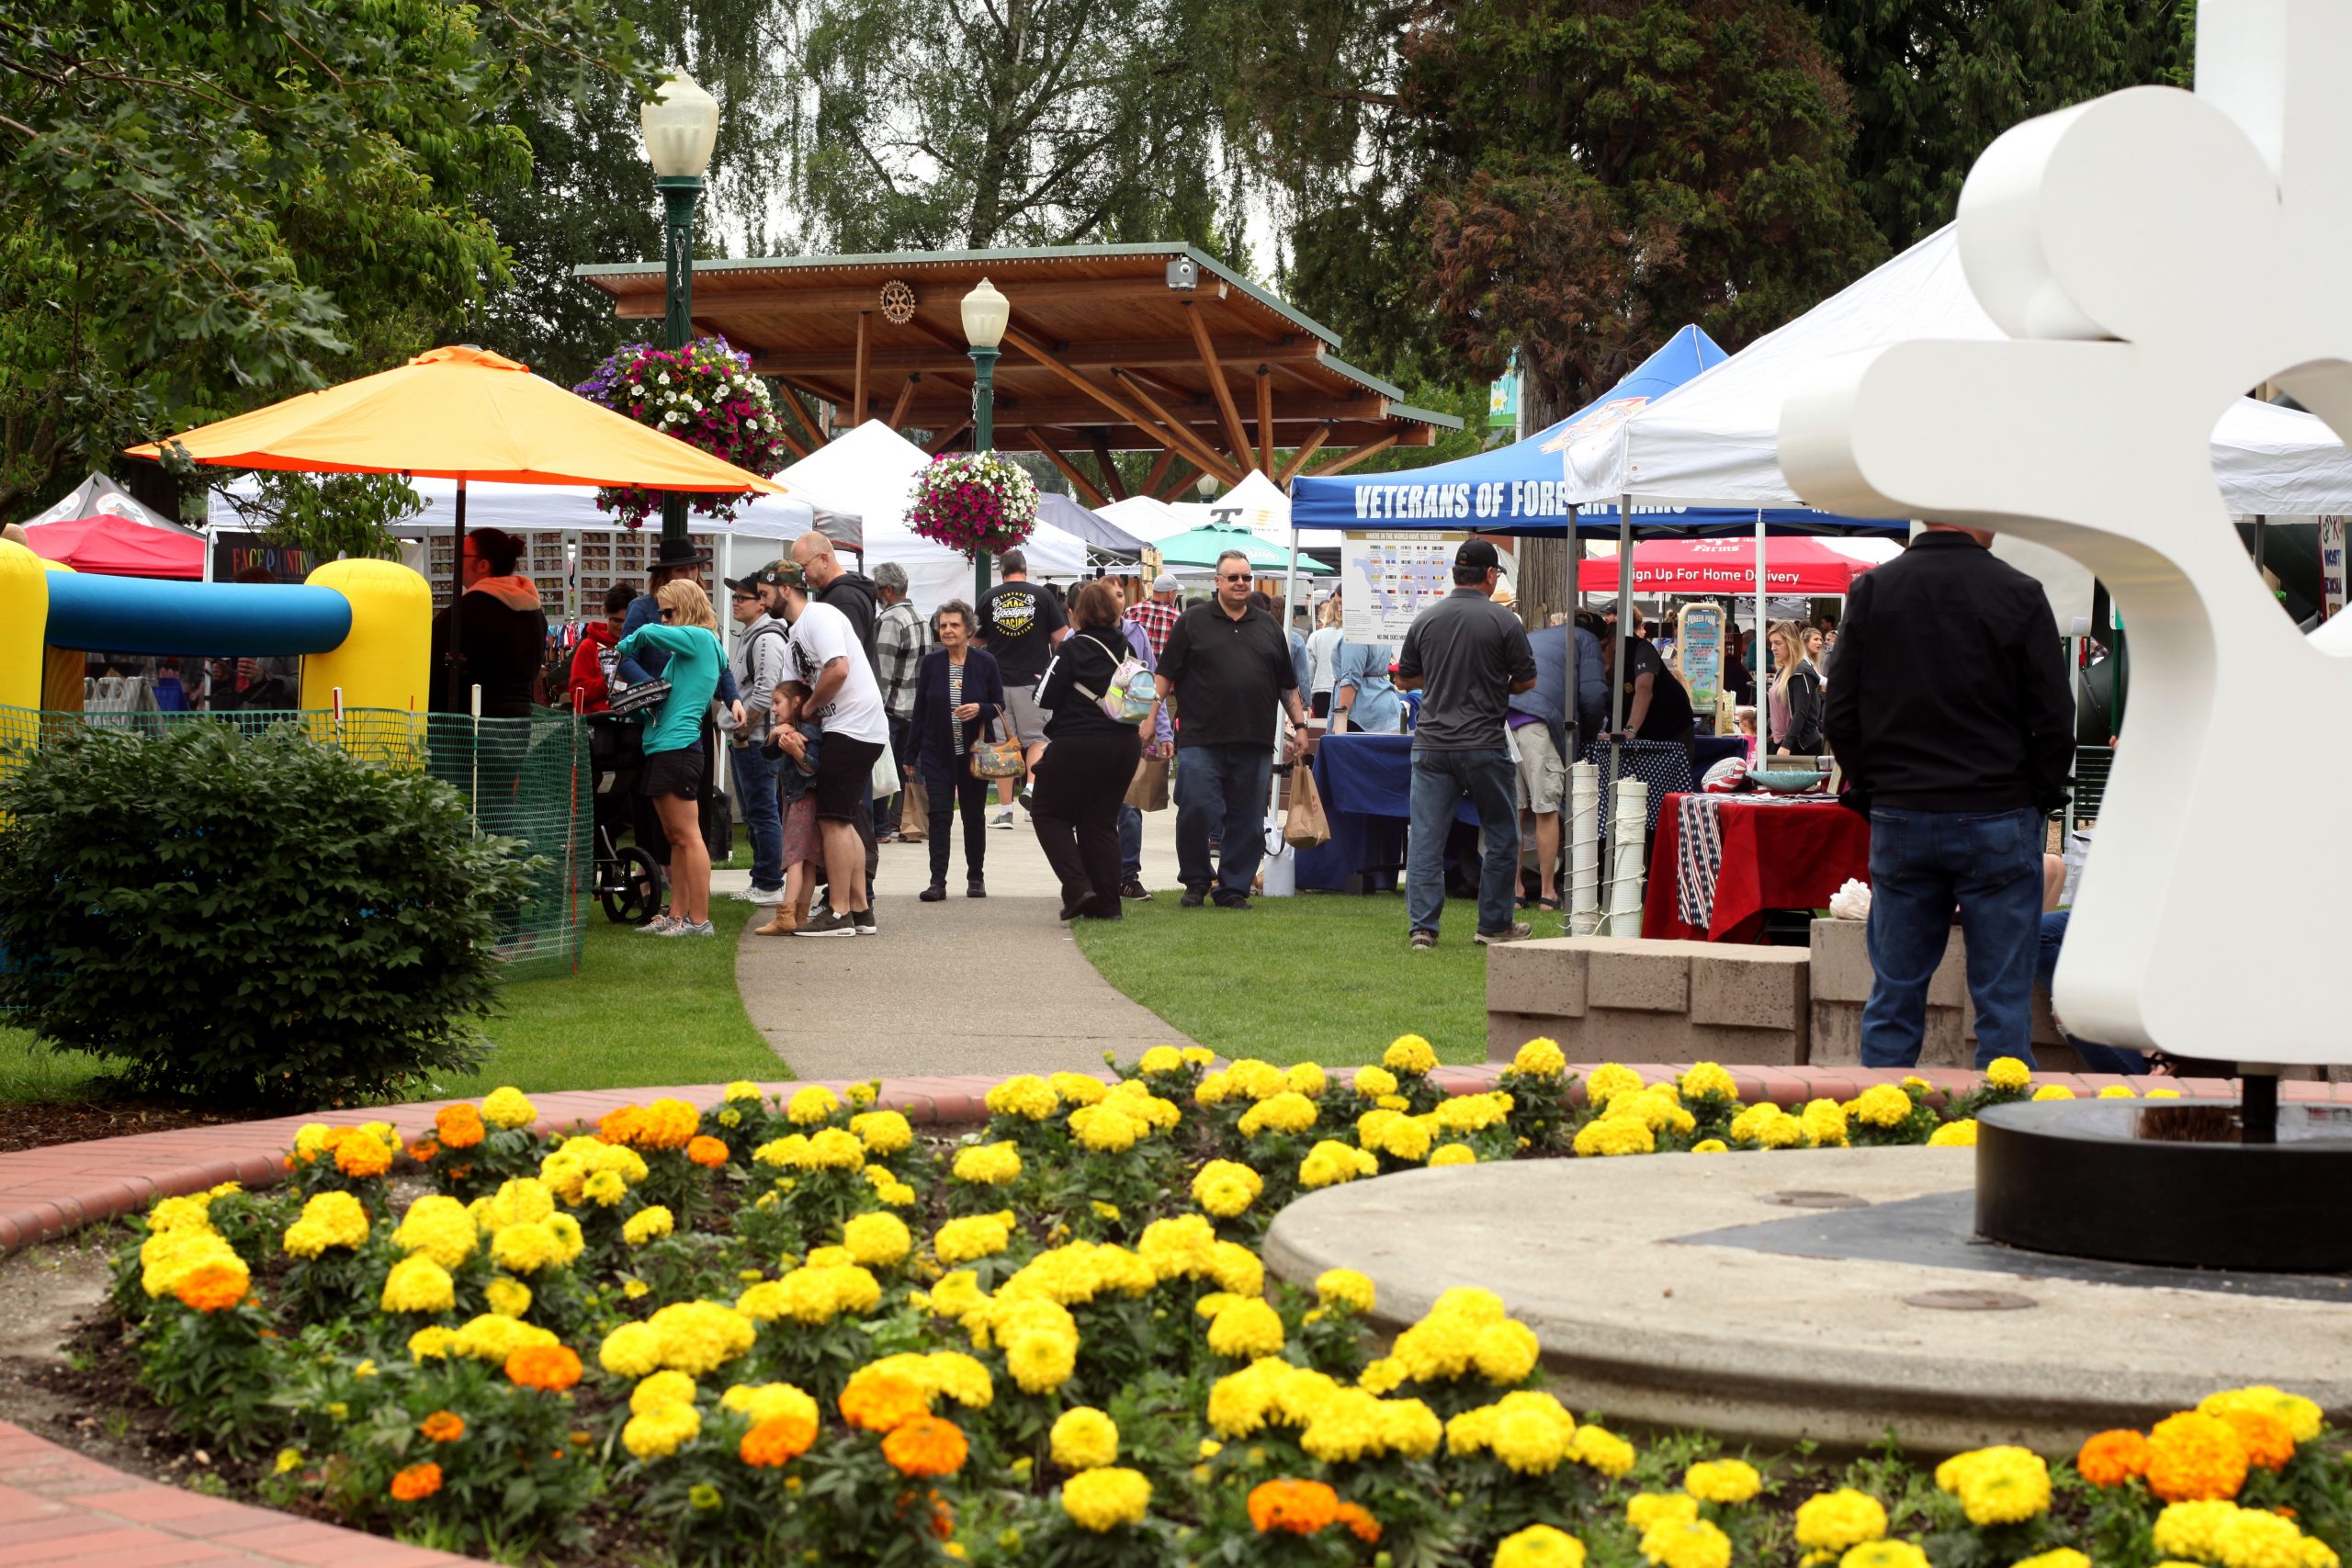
<point>958,693</point>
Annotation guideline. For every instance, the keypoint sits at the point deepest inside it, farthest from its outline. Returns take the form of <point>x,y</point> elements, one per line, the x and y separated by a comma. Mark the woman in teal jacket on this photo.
<point>675,762</point>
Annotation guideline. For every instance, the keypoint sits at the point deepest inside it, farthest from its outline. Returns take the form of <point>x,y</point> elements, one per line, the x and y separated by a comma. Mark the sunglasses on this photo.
<point>1236,577</point>
<point>668,614</point>
<point>745,598</point>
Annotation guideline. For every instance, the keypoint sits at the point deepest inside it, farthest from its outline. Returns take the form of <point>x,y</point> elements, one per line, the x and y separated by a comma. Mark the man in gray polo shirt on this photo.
<point>1467,655</point>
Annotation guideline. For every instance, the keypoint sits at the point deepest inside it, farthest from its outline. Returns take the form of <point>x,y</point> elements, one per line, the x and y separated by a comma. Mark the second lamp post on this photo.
<point>986,312</point>
<point>680,127</point>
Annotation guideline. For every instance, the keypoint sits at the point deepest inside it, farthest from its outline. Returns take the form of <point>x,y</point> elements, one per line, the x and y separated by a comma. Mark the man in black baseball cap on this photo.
<point>1467,655</point>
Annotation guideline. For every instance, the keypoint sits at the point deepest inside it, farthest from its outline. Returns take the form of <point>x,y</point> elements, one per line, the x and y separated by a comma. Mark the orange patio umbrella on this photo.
<point>461,414</point>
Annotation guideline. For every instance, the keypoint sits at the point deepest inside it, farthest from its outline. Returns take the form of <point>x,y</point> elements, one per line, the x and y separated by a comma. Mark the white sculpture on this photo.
<point>2155,255</point>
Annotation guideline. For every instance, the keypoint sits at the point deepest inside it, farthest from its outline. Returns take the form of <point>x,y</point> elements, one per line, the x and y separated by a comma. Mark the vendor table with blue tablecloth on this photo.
<point>1367,786</point>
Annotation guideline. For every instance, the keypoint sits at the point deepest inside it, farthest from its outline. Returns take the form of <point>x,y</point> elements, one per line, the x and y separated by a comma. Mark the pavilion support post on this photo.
<point>1215,369</point>
<point>1043,441</point>
<point>1159,470</point>
<point>857,385</point>
<point>1200,451</point>
<point>1370,449</point>
<point>1266,421</point>
<point>906,397</point>
<point>1306,449</point>
<point>1113,484</point>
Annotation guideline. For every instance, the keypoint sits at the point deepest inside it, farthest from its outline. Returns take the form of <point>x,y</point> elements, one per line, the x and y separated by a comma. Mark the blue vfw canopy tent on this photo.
<point>1522,488</point>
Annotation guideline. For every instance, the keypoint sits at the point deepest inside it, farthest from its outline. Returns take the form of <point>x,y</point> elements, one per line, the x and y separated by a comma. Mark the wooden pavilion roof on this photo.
<point>1102,356</point>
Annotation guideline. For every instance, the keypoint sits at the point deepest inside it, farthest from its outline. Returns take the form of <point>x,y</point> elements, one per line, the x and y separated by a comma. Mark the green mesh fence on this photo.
<point>526,778</point>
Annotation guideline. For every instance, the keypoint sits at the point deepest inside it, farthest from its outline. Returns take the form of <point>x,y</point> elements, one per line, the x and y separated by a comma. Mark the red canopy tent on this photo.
<point>117,547</point>
<point>1798,564</point>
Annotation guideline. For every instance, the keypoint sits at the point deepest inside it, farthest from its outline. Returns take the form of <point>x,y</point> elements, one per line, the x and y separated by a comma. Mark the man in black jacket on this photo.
<point>1948,713</point>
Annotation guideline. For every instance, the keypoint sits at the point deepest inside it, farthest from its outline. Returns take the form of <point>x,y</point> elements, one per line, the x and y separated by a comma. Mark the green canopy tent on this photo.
<point>1199,549</point>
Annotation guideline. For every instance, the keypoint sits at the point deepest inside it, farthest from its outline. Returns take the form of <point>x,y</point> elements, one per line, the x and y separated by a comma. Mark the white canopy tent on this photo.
<point>98,496</point>
<point>529,509</point>
<point>873,467</point>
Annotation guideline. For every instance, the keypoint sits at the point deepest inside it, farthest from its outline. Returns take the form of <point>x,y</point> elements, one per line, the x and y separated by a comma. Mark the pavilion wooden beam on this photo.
<point>1055,406</point>
<point>1306,448</point>
<point>1044,443</point>
<point>1177,486</point>
<point>792,442</point>
<point>831,393</point>
<point>1100,444</point>
<point>1158,469</point>
<point>1238,442</point>
<point>947,438</point>
<point>1370,449</point>
<point>715,296</point>
<point>1191,445</point>
<point>806,419</point>
<point>1037,351</point>
<point>906,399</point>
<point>946,354</point>
<point>857,385</point>
<point>1265,421</point>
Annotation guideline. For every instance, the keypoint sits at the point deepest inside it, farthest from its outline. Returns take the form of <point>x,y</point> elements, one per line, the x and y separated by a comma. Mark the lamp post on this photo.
<point>679,126</point>
<point>986,312</point>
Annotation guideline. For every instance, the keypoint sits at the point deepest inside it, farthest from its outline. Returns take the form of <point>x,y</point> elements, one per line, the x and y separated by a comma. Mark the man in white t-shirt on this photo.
<point>828,657</point>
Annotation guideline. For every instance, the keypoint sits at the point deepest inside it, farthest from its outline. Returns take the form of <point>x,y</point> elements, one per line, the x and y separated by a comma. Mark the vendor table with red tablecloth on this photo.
<point>1774,855</point>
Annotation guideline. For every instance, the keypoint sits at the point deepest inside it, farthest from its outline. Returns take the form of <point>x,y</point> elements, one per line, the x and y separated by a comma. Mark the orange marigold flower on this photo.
<point>423,1150</point>
<point>882,1402</point>
<point>1367,1528</point>
<point>2268,1444</point>
<point>418,1481</point>
<point>2110,1458</point>
<point>361,1156</point>
<point>706,1151</point>
<point>925,1446</point>
<point>664,1124</point>
<point>550,1367</point>
<point>215,1287</point>
<point>2194,1458</point>
<point>1296,1507</point>
<point>778,1440</point>
<point>459,1127</point>
<point>443,1427</point>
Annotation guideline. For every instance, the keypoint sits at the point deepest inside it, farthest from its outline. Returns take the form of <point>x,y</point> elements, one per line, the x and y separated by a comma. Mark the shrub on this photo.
<point>252,920</point>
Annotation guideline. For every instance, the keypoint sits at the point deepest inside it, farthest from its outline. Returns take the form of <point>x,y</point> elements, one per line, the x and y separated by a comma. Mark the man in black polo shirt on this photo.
<point>1227,666</point>
<point>1020,623</point>
<point>1467,655</point>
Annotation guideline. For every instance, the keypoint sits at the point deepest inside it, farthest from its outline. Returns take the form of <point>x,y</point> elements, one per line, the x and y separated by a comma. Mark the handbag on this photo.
<point>1303,825</point>
<point>625,700</point>
<point>1148,790</point>
<point>995,759</point>
<point>1132,690</point>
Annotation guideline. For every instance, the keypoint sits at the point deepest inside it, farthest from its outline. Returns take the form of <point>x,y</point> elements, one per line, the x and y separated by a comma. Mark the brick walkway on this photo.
<point>58,1507</point>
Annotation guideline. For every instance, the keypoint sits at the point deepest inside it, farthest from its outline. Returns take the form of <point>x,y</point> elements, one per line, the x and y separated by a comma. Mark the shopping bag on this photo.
<point>1148,791</point>
<point>1304,826</point>
<point>884,781</point>
<point>914,818</point>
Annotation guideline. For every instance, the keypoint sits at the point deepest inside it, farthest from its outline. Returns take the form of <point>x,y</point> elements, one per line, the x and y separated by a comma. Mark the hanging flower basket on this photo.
<point>703,394</point>
<point>973,501</point>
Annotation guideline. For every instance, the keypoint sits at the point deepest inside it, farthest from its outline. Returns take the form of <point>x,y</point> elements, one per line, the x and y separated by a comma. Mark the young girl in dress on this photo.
<point>795,739</point>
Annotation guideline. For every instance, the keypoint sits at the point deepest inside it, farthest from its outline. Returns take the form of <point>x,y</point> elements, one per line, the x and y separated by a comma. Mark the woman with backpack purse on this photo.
<point>1094,740</point>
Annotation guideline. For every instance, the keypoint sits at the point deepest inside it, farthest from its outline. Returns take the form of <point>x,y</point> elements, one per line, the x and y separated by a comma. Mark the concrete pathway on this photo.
<point>993,984</point>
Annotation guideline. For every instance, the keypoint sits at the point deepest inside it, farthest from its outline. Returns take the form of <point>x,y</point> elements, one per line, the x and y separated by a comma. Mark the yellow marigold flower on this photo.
<point>1213,1089</point>
<point>659,1389</point>
<point>1106,1129</point>
<point>1103,1500</point>
<point>1540,1057</point>
<point>2162,1094</point>
<point>508,1107</point>
<point>432,1344</point>
<point>193,1212</point>
<point>1504,1352</point>
<point>883,1131</point>
<point>1453,1154</point>
<point>768,1401</point>
<point>1960,1135</point>
<point>1197,1056</point>
<point>1372,1083</point>
<point>2054,1091</point>
<point>1656,1109</point>
<point>1825,1122</point>
<point>418,1284</point>
<point>1604,1451</point>
<point>1344,1287</point>
<point>1256,1079</point>
<point>699,1336</point>
<point>1611,1135</point>
<point>1709,1079</point>
<point>1406,1138</point>
<point>878,1240</point>
<point>1040,1360</point>
<point>1539,1546</point>
<point>288,1460</point>
<point>1609,1080</point>
<point>1884,1554</point>
<point>647,1224</point>
<point>1710,1146</point>
<point>632,1351</point>
<point>1247,1330</point>
<point>524,1248</point>
<point>2300,1416</point>
<point>992,1164</point>
<point>1161,1059</point>
<point>861,1095</point>
<point>1328,1164</point>
<point>741,1088</point>
<point>2002,1485</point>
<point>2112,1091</point>
<point>1646,1510</point>
<point>605,1189</point>
<point>1687,1543</point>
<point>1722,1480</point>
<point>507,1298</point>
<point>811,1105</point>
<point>1836,1521</point>
<point>1077,1089</point>
<point>1224,1188</point>
<point>1026,1096</point>
<point>1383,1374</point>
<point>2008,1073</point>
<point>1084,1438</point>
<point>490,1337</point>
<point>330,1219</point>
<point>660,1432</point>
<point>1409,1053</point>
<point>1884,1105</point>
<point>1286,1111</point>
<point>972,1237</point>
<point>2068,1557</point>
<point>1307,1079</point>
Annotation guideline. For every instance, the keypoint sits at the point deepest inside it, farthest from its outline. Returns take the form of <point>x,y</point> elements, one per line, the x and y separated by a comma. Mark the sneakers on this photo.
<point>863,921</point>
<point>658,926</point>
<point>1225,901</point>
<point>1192,899</point>
<point>1002,819</point>
<point>1424,939</point>
<point>934,894</point>
<point>829,924</point>
<point>1134,888</point>
<point>1519,931</point>
<point>763,896</point>
<point>1020,798</point>
<point>690,928</point>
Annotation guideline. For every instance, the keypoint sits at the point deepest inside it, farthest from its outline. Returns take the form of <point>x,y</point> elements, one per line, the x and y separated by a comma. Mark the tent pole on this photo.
<point>456,672</point>
<point>1307,700</point>
<point>1624,610</point>
<point>1762,639</point>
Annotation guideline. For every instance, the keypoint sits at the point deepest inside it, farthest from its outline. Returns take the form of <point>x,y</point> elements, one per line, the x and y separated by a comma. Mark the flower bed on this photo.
<point>753,1332</point>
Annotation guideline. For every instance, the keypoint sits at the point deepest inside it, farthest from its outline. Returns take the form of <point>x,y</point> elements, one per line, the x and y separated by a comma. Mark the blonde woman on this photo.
<point>676,761</point>
<point>1794,700</point>
<point>1323,655</point>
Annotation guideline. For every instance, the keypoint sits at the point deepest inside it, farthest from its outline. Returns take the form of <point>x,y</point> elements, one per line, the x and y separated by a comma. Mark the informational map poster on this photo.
<point>1702,645</point>
<point>1386,579</point>
<point>2331,568</point>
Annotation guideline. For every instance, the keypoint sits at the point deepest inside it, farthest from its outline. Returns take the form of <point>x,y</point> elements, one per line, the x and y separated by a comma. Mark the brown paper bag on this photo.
<point>1304,826</point>
<point>1148,790</point>
<point>914,820</point>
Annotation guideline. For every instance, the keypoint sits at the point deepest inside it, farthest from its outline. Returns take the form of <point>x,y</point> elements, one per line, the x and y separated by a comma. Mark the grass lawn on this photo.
<point>1323,976</point>
<point>641,1010</point>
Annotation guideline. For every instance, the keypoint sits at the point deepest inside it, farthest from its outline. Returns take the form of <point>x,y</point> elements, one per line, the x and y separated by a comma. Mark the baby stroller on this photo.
<point>628,881</point>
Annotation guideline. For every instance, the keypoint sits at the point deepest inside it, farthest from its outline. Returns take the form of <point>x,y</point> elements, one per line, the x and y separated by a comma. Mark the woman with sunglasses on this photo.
<point>676,761</point>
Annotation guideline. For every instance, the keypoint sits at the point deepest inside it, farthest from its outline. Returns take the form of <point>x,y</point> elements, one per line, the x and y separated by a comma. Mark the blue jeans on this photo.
<point>1922,862</point>
<point>756,790</point>
<point>1130,843</point>
<point>1221,793</point>
<point>1440,781</point>
<point>2095,1058</point>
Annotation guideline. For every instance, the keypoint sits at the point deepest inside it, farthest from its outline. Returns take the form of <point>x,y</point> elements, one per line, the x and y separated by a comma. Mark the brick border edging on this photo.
<point>48,1192</point>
